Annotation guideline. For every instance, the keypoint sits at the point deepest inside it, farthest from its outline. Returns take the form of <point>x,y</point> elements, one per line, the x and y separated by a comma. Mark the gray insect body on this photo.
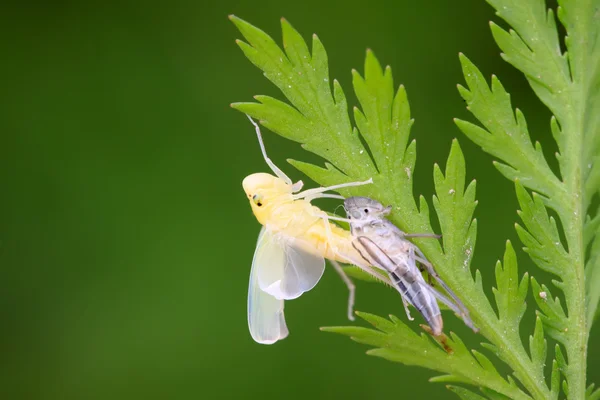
<point>382,244</point>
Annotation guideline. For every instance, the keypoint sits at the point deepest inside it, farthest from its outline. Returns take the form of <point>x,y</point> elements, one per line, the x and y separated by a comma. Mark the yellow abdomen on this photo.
<point>335,245</point>
<point>304,222</point>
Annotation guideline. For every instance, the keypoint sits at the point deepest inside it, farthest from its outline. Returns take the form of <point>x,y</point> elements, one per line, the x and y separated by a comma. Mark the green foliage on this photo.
<point>464,394</point>
<point>317,117</point>
<point>590,394</point>
<point>568,85</point>
<point>395,341</point>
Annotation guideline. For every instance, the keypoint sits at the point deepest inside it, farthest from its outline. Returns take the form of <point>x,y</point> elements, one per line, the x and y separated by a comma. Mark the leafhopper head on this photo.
<point>262,189</point>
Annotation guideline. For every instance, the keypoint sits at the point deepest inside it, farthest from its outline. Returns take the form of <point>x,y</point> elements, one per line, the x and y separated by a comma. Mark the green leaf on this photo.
<point>560,359</point>
<point>484,361</point>
<point>591,394</point>
<point>592,281</point>
<point>494,395</point>
<point>375,92</point>
<point>541,238</point>
<point>464,394</point>
<point>555,380</point>
<point>551,311</point>
<point>589,390</point>
<point>318,118</point>
<point>505,135</point>
<point>394,341</point>
<point>384,121</point>
<point>569,85</point>
<point>591,227</point>
<point>580,19</point>
<point>538,347</point>
<point>455,206</point>
<point>535,49</point>
<point>510,294</point>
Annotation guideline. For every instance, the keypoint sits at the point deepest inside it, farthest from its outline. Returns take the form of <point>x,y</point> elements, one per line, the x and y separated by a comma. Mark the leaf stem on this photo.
<point>574,277</point>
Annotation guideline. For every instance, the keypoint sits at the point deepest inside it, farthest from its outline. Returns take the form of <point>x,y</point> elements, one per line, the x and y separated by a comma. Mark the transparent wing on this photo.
<point>302,271</point>
<point>266,320</point>
<point>285,270</point>
<point>280,270</point>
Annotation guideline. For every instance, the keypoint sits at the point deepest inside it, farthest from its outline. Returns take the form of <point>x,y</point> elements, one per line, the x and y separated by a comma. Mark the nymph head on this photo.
<point>364,208</point>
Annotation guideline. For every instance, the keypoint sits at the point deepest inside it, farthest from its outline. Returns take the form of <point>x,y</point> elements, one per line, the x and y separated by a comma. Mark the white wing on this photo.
<point>285,270</point>
<point>280,271</point>
<point>265,313</point>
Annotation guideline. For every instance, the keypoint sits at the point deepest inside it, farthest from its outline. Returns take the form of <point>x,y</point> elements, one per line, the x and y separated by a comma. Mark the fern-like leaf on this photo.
<point>591,394</point>
<point>394,341</point>
<point>568,84</point>
<point>505,135</point>
<point>465,394</point>
<point>510,295</point>
<point>592,281</point>
<point>551,311</point>
<point>540,235</point>
<point>317,118</point>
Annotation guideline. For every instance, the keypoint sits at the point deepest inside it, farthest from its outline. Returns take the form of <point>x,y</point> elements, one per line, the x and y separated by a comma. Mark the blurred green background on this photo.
<point>125,237</point>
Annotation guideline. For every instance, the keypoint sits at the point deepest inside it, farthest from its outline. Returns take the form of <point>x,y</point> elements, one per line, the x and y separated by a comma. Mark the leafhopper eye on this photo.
<point>257,198</point>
